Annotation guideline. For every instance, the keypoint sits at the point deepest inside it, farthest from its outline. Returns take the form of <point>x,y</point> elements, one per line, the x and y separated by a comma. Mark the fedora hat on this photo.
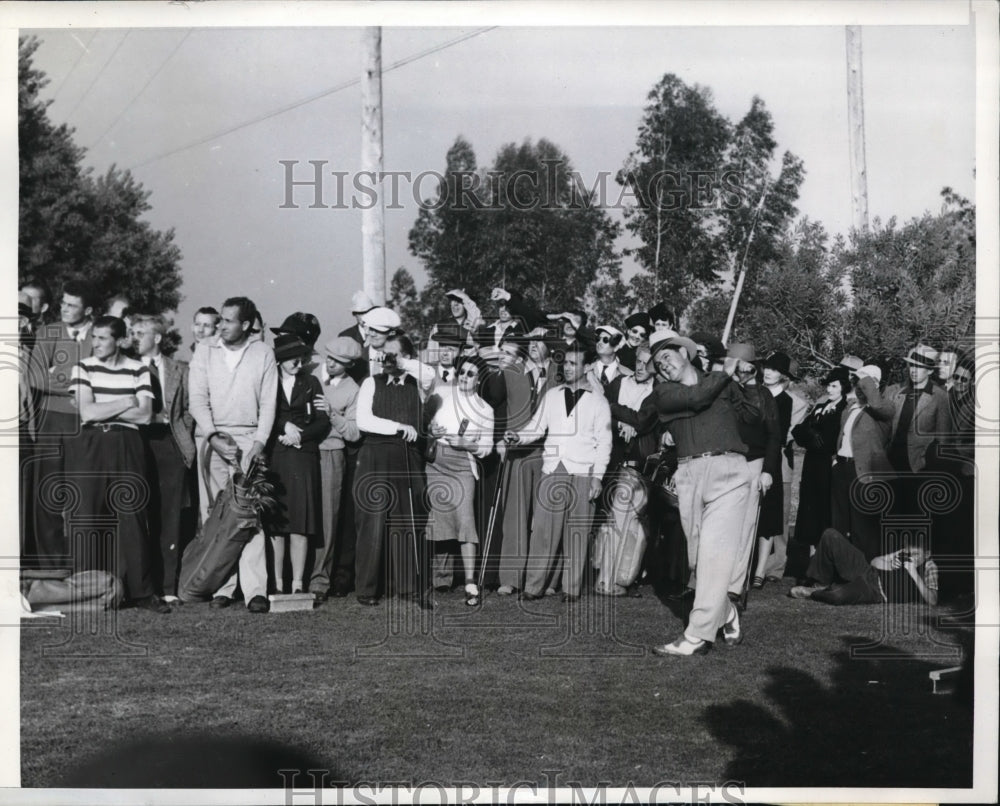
<point>852,362</point>
<point>922,356</point>
<point>361,303</point>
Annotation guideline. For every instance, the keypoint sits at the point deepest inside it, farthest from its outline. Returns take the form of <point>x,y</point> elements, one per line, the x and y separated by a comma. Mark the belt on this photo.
<point>105,427</point>
<point>843,460</point>
<point>684,459</point>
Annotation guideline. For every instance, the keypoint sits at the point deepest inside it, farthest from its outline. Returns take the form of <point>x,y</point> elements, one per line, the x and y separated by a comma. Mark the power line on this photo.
<point>312,98</point>
<point>83,49</point>
<point>144,86</point>
<point>99,74</point>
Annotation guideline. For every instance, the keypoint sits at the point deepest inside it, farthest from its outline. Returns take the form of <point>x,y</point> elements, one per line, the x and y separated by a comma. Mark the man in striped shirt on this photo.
<point>106,465</point>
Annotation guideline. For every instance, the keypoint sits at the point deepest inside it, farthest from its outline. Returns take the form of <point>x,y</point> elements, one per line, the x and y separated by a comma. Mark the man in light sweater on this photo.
<point>234,390</point>
<point>576,421</point>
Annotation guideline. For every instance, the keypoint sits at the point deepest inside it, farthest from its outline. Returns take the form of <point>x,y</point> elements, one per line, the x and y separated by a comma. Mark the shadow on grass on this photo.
<point>875,725</point>
<point>195,761</point>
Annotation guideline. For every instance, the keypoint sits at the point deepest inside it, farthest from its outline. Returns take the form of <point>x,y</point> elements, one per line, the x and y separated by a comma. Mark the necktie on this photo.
<point>445,375</point>
<point>605,380</point>
<point>154,379</point>
<point>73,333</point>
<point>572,397</point>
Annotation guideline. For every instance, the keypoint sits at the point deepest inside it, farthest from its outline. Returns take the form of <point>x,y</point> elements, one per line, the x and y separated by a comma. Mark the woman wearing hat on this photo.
<point>777,373</point>
<point>299,428</point>
<point>817,433</point>
<point>462,423</point>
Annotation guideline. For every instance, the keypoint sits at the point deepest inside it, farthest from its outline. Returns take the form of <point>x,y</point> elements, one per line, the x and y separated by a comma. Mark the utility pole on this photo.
<point>373,218</point>
<point>856,128</point>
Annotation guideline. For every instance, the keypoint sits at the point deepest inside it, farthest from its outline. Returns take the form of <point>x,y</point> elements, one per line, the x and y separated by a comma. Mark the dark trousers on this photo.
<point>57,432</point>
<point>863,529</point>
<point>334,560</point>
<point>390,548</point>
<point>845,570</point>
<point>108,473</point>
<point>168,483</point>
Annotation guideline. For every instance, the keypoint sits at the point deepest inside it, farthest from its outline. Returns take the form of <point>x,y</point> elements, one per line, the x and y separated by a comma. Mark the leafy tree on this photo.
<point>526,224</point>
<point>405,301</point>
<point>681,136</point>
<point>714,188</point>
<point>911,282</point>
<point>72,224</point>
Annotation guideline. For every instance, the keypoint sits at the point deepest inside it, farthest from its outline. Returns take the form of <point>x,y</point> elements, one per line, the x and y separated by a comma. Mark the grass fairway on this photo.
<point>511,692</point>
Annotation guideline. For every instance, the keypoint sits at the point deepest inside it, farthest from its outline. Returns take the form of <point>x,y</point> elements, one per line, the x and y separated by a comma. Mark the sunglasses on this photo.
<point>604,339</point>
<point>469,373</point>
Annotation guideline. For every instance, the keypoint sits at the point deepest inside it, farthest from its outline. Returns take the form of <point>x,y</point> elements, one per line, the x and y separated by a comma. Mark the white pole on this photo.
<point>373,218</point>
<point>856,128</point>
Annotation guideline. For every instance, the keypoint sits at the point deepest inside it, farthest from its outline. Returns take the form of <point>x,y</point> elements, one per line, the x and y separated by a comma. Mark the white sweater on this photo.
<point>581,440</point>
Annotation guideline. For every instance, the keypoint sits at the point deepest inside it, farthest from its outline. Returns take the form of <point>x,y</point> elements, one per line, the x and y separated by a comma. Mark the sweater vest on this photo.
<point>400,404</point>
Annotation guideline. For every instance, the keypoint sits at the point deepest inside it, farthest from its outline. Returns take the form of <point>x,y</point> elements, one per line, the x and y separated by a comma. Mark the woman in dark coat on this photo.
<point>294,450</point>
<point>818,433</point>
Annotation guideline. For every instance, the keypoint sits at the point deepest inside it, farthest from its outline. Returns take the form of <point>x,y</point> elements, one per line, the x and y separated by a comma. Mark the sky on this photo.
<point>137,96</point>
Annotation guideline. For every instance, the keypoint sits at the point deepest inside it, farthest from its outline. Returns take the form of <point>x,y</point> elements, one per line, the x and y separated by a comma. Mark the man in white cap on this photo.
<point>333,565</point>
<point>701,411</point>
<point>380,323</point>
<point>865,427</point>
<point>607,367</point>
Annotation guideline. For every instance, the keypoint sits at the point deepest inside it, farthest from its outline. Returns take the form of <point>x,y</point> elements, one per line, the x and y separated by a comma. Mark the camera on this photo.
<point>390,361</point>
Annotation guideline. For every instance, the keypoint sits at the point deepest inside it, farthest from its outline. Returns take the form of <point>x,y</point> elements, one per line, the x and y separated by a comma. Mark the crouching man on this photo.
<point>842,576</point>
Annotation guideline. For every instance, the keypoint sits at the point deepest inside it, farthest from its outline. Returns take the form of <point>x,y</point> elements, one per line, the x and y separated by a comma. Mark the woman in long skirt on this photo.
<point>295,438</point>
<point>818,433</point>
<point>462,423</point>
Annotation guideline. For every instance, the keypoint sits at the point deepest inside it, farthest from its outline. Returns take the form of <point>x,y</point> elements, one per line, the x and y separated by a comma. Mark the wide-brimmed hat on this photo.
<point>742,351</point>
<point>288,345</point>
<point>361,303</point>
<point>674,342</point>
<point>381,320</point>
<point>658,339</point>
<point>304,325</point>
<point>343,349</point>
<point>781,362</point>
<point>639,319</point>
<point>852,362</point>
<point>922,356</point>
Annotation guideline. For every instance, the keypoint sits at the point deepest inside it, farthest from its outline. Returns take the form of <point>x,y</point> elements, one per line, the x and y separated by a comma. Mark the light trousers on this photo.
<point>712,494</point>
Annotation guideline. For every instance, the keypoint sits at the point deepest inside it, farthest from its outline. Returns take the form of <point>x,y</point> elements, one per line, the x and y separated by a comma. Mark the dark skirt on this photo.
<point>298,493</point>
<point>814,514</point>
<point>772,511</point>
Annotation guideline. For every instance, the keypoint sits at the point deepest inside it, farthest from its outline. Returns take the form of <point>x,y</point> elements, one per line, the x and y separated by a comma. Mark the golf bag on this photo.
<point>233,520</point>
<point>621,539</point>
